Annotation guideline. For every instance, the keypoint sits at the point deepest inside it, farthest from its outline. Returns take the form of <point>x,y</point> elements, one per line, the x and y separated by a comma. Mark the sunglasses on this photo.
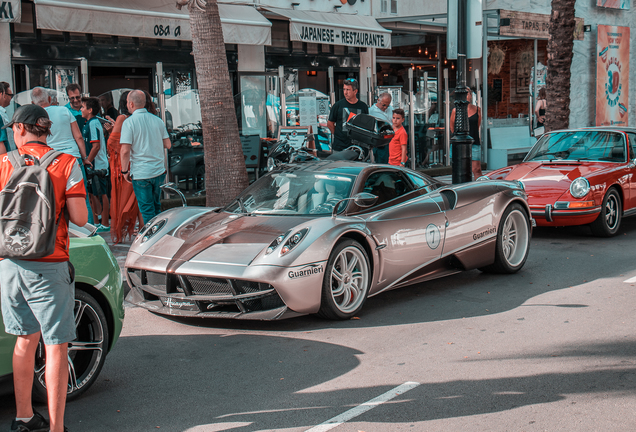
<point>75,98</point>
<point>10,95</point>
<point>350,80</point>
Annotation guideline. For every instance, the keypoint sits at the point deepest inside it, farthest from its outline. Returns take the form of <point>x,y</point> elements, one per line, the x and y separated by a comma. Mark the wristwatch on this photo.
<point>403,164</point>
<point>124,172</point>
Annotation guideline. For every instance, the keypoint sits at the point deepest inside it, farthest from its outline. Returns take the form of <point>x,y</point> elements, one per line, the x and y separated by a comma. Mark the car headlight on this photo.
<point>579,187</point>
<point>152,230</point>
<point>277,241</point>
<point>175,160</point>
<point>293,240</point>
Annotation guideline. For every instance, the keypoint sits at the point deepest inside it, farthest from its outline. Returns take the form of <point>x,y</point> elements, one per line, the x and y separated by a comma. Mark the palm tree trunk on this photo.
<point>560,52</point>
<point>225,172</point>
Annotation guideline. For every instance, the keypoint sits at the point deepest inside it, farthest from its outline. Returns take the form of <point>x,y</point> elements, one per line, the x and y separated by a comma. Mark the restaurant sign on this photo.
<point>325,34</point>
<point>10,11</point>
<point>531,25</point>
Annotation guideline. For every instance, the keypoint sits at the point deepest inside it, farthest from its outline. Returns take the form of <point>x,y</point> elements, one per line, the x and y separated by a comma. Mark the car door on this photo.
<point>408,225</point>
<point>629,206</point>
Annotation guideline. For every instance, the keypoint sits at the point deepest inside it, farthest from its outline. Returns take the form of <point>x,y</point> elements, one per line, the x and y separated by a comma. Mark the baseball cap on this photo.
<point>27,114</point>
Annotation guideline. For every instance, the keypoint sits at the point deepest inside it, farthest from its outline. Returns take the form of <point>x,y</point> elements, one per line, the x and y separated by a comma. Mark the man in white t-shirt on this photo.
<point>143,139</point>
<point>382,110</point>
<point>65,134</point>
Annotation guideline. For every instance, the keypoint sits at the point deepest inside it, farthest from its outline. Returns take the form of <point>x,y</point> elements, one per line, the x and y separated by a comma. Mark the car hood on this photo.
<point>545,182</point>
<point>222,238</point>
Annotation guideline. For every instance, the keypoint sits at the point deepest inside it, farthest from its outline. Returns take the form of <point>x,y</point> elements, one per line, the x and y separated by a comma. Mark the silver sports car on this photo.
<point>319,238</point>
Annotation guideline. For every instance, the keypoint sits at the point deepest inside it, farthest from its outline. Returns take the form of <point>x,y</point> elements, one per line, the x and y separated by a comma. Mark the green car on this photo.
<point>99,315</point>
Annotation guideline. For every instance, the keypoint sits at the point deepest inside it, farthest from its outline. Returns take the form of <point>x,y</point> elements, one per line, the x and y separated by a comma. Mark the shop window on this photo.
<point>52,36</point>
<point>102,40</point>
<point>394,7</point>
<point>122,40</point>
<point>25,27</point>
<point>77,37</point>
<point>280,34</point>
<point>297,47</point>
<point>313,48</point>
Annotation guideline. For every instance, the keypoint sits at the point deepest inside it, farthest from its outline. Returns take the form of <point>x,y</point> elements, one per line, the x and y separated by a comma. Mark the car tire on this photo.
<point>513,241</point>
<point>609,220</point>
<point>345,291</point>
<point>86,353</point>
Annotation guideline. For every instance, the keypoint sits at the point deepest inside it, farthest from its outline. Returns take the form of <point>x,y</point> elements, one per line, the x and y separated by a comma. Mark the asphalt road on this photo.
<point>552,348</point>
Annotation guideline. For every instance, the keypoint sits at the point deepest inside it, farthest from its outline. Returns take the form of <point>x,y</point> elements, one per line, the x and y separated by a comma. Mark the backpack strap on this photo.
<point>48,158</point>
<point>16,159</point>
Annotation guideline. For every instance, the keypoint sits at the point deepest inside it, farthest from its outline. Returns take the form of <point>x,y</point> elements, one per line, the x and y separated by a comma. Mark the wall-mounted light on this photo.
<point>312,73</point>
<point>295,4</point>
<point>426,51</point>
<point>445,61</point>
<point>336,7</point>
<point>419,50</point>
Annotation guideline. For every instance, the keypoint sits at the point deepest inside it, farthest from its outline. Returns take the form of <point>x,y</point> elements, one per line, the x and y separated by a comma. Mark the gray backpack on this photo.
<point>27,209</point>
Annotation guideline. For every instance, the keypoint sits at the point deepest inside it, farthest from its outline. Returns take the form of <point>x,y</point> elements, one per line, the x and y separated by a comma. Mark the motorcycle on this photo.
<point>365,131</point>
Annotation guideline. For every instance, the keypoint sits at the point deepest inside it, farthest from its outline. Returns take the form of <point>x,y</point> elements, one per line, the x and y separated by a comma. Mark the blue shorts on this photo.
<point>38,296</point>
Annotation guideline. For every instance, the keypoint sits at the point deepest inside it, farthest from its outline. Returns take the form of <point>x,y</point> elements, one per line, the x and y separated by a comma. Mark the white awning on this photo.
<point>335,28</point>
<point>148,19</point>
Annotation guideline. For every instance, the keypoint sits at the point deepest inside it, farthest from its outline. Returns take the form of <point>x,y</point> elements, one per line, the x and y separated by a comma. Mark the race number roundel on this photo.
<point>433,237</point>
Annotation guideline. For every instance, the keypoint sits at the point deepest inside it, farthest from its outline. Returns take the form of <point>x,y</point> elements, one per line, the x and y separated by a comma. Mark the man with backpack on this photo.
<point>35,274</point>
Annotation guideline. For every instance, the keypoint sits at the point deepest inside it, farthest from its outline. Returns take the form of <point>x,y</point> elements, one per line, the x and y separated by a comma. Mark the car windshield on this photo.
<point>581,145</point>
<point>293,193</point>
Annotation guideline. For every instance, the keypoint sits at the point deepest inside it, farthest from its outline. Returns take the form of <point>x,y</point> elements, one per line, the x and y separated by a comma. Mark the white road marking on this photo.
<point>361,409</point>
<point>630,280</point>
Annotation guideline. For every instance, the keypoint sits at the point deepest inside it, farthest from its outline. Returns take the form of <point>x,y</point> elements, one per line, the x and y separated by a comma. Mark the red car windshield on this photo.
<point>580,145</point>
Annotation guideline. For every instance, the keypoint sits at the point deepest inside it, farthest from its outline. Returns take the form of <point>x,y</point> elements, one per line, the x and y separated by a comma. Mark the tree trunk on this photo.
<point>225,173</point>
<point>560,51</point>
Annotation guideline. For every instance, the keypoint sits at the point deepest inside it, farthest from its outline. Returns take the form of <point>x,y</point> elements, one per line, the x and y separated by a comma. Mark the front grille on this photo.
<point>209,286</point>
<point>229,295</point>
<point>156,279</point>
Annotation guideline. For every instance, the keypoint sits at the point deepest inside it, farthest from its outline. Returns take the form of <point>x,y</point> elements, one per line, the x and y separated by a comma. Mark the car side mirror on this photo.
<point>172,187</point>
<point>365,199</point>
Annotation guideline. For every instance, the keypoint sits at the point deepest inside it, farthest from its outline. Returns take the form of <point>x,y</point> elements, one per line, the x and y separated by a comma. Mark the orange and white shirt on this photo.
<point>395,146</point>
<point>68,182</point>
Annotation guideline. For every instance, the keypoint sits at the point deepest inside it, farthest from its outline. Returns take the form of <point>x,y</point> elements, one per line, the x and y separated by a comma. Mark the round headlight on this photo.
<point>579,187</point>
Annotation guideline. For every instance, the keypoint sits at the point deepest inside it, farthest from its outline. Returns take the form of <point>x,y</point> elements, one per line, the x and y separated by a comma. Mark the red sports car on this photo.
<point>579,177</point>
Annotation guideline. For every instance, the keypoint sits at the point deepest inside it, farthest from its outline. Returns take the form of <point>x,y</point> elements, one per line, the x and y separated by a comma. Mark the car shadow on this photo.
<point>254,382</point>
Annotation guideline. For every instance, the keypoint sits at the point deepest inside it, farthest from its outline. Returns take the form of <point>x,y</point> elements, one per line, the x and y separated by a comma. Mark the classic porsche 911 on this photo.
<point>319,238</point>
<point>579,177</point>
